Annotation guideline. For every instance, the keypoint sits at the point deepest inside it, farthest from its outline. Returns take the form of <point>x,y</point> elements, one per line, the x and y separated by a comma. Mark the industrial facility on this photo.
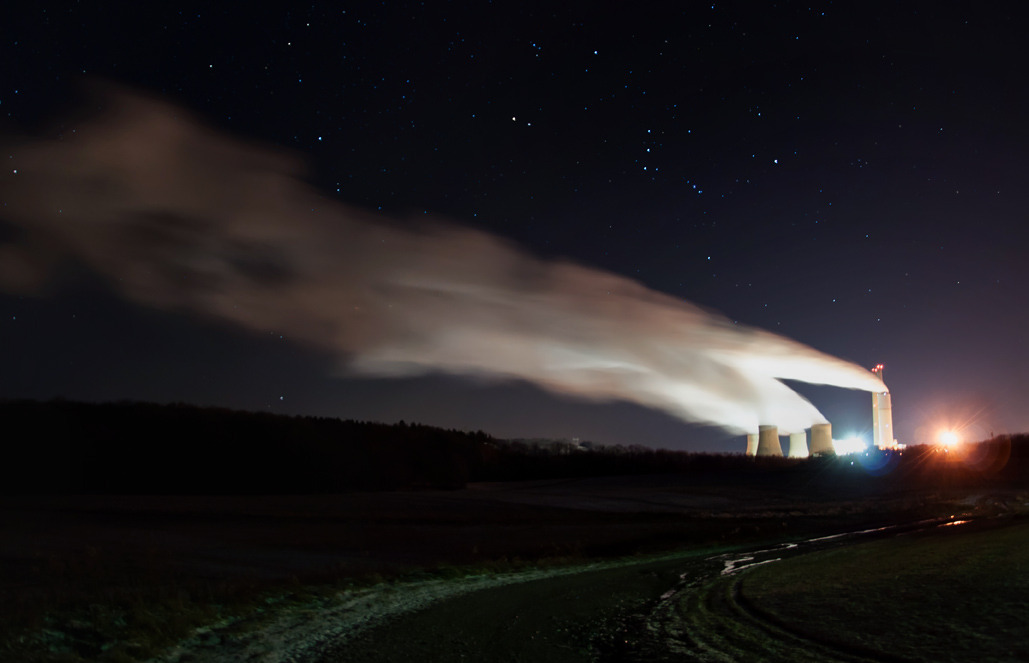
<point>765,442</point>
<point>882,415</point>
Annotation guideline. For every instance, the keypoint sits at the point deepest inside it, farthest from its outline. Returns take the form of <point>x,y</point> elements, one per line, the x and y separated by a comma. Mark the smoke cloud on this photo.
<point>178,217</point>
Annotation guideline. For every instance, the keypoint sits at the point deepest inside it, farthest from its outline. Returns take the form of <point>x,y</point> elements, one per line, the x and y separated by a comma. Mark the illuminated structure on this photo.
<point>798,445</point>
<point>882,415</point>
<point>821,440</point>
<point>768,441</point>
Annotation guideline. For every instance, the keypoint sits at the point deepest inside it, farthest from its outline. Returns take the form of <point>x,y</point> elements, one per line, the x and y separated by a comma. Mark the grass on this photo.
<point>946,595</point>
<point>112,616</point>
<point>105,612</point>
<point>119,579</point>
<point>94,608</point>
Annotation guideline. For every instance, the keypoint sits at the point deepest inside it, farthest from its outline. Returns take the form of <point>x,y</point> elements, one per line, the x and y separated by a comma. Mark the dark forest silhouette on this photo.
<point>145,448</point>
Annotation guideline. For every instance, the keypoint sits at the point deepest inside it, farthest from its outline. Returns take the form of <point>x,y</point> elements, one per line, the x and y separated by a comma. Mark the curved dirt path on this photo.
<point>681,607</point>
<point>684,607</point>
<point>568,618</point>
<point>430,620</point>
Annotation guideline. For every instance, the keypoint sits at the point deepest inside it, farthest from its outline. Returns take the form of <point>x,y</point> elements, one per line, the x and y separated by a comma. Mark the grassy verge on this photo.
<point>118,618</point>
<point>97,610</point>
<point>945,595</point>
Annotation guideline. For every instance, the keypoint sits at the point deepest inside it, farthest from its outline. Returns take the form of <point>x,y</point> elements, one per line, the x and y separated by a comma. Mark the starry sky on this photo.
<point>845,175</point>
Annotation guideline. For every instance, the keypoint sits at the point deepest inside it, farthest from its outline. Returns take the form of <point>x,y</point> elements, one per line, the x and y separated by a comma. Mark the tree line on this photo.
<point>146,448</point>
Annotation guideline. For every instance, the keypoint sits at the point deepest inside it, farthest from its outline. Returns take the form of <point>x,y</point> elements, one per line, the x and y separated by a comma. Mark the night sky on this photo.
<point>848,176</point>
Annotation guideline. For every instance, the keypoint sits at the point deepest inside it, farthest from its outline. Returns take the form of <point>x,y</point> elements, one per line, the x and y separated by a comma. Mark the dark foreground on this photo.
<point>133,578</point>
<point>694,607</point>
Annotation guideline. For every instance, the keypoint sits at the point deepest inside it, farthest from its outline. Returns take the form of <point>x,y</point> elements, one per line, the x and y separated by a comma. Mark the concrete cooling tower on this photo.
<point>821,440</point>
<point>798,445</point>
<point>768,441</point>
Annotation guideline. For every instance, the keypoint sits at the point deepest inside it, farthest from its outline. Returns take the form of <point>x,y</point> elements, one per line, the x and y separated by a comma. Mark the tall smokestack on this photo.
<point>882,420</point>
<point>821,440</point>
<point>751,444</point>
<point>768,441</point>
<point>798,445</point>
<point>882,415</point>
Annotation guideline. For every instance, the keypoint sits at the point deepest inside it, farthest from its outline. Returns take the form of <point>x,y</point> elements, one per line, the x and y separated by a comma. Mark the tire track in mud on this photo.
<point>706,618</point>
<point>704,621</point>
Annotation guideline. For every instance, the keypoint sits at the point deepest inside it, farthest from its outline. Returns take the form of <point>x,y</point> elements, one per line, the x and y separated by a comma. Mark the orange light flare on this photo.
<point>957,431</point>
<point>955,443</point>
<point>986,456</point>
<point>951,446</point>
<point>948,438</point>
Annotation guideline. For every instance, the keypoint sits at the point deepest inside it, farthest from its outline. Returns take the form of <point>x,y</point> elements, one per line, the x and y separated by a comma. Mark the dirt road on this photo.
<point>676,608</point>
<point>574,617</point>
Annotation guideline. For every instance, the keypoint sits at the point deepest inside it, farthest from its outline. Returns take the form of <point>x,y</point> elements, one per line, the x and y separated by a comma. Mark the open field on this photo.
<point>829,599</point>
<point>125,578</point>
<point>933,596</point>
<point>734,605</point>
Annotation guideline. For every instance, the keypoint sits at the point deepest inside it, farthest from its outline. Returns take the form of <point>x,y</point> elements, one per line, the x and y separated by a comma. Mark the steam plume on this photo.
<point>180,218</point>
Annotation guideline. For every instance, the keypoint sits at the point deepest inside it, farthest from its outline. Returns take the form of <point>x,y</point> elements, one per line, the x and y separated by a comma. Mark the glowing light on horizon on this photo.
<point>949,438</point>
<point>849,445</point>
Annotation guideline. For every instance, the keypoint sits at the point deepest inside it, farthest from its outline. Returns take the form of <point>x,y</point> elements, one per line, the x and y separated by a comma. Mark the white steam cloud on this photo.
<point>178,217</point>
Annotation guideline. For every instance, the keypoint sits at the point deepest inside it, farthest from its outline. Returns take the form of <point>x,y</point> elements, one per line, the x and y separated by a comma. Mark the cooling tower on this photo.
<point>768,441</point>
<point>821,440</point>
<point>751,444</point>
<point>798,445</point>
<point>882,420</point>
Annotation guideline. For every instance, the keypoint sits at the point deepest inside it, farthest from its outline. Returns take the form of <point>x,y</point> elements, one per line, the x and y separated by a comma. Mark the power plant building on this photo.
<point>766,441</point>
